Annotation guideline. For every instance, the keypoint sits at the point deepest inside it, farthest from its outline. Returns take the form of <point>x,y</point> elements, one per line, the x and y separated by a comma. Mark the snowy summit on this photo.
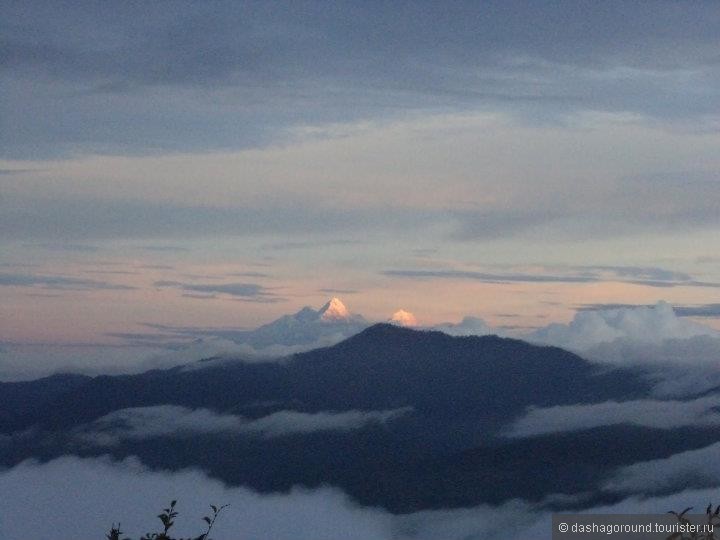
<point>334,311</point>
<point>403,318</point>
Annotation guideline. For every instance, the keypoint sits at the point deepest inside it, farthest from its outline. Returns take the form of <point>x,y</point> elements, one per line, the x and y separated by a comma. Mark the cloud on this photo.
<point>693,468</point>
<point>650,413</point>
<point>58,282</point>
<point>638,336</point>
<point>103,492</point>
<point>465,102</point>
<point>469,326</point>
<point>157,267</point>
<point>83,218</point>
<point>249,274</point>
<point>19,362</point>
<point>488,277</point>
<point>700,310</point>
<point>222,350</point>
<point>158,421</point>
<point>330,290</point>
<point>680,356</point>
<point>285,246</point>
<point>171,420</point>
<point>261,299</point>
<point>242,290</point>
<point>650,277</point>
<point>141,352</point>
<point>80,248</point>
<point>340,197</point>
<point>650,325</point>
<point>170,340</point>
<point>112,272</point>
<point>655,202</point>
<point>9,172</point>
<point>303,65</point>
<point>653,336</point>
<point>640,272</point>
<point>611,306</point>
<point>403,318</point>
<point>81,498</point>
<point>679,367</point>
<point>200,296</point>
<point>164,249</point>
<point>293,422</point>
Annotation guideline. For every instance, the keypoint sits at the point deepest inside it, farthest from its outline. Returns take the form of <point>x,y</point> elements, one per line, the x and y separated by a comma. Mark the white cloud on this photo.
<point>599,334</point>
<point>173,420</point>
<point>650,413</point>
<point>647,325</point>
<point>679,367</point>
<point>81,498</point>
<point>158,421</point>
<point>290,422</point>
<point>71,498</point>
<point>21,362</point>
<point>224,351</point>
<point>694,467</point>
<point>679,355</point>
<point>469,326</point>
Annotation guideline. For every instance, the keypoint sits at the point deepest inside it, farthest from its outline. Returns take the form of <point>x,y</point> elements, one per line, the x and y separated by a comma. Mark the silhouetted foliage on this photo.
<point>713,519</point>
<point>167,517</point>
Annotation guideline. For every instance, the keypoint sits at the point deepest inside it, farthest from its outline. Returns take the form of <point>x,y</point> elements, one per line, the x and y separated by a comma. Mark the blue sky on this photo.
<point>512,160</point>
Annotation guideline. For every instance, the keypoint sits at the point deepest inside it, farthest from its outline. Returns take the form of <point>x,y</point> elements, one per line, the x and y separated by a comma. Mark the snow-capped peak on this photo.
<point>334,310</point>
<point>403,318</point>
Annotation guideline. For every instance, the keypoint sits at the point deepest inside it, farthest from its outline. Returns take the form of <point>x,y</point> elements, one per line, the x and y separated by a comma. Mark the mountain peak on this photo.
<point>403,318</point>
<point>334,310</point>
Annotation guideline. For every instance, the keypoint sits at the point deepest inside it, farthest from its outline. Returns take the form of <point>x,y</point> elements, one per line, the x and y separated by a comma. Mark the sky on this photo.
<point>177,164</point>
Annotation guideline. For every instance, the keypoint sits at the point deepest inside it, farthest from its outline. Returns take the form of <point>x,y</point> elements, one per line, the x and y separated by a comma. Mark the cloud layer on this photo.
<point>469,326</point>
<point>245,291</point>
<point>696,468</point>
<point>650,413</point>
<point>58,282</point>
<point>647,325</point>
<point>303,64</point>
<point>171,420</point>
<point>81,498</point>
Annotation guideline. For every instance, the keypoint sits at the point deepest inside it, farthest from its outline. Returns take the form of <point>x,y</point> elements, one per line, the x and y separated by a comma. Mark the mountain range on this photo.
<point>311,328</point>
<point>399,418</point>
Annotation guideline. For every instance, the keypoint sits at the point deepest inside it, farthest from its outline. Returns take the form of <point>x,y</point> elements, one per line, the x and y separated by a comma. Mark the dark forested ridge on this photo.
<point>446,447</point>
